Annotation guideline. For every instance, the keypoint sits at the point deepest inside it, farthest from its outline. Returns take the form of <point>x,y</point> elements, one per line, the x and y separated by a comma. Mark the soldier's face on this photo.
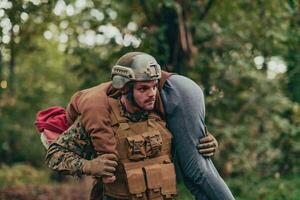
<point>144,93</point>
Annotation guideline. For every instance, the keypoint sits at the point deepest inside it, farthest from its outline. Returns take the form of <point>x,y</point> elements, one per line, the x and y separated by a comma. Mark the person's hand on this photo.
<point>104,165</point>
<point>208,145</point>
<point>108,179</point>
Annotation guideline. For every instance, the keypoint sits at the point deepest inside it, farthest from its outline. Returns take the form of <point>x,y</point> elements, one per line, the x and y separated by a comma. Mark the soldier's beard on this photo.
<point>130,98</point>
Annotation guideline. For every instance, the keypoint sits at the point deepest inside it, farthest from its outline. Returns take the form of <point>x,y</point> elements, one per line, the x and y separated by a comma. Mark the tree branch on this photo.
<point>206,9</point>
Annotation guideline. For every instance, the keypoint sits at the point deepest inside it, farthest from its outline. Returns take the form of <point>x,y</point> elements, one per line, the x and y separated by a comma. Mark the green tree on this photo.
<point>236,50</point>
<point>37,78</point>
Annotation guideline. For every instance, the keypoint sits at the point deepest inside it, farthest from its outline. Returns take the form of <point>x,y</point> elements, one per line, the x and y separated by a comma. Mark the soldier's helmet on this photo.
<point>135,66</point>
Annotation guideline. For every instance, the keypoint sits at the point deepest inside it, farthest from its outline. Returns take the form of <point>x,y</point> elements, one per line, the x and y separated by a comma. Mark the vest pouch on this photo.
<point>154,181</point>
<point>136,184</point>
<point>136,148</point>
<point>168,189</point>
<point>153,143</point>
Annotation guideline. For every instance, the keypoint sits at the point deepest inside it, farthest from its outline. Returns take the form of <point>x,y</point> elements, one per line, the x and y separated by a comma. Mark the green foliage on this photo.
<point>272,188</point>
<point>183,193</point>
<point>22,174</point>
<point>254,114</point>
<point>251,187</point>
<point>42,81</point>
<point>292,56</point>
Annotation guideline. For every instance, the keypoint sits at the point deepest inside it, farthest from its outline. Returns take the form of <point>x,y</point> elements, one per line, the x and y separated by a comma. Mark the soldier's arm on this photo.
<point>72,148</point>
<point>92,104</point>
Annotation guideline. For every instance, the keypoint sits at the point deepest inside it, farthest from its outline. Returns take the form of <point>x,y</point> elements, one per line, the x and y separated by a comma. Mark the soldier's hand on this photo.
<point>104,165</point>
<point>208,145</point>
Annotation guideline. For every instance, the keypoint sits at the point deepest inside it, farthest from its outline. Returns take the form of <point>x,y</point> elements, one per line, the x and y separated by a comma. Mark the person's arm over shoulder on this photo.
<point>93,107</point>
<point>185,113</point>
<point>72,111</point>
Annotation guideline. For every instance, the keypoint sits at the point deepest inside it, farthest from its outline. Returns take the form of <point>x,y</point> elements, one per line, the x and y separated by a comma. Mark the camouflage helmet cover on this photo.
<point>135,66</point>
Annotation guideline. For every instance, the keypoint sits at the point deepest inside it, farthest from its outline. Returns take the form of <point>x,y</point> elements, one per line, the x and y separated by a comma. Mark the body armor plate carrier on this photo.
<point>145,170</point>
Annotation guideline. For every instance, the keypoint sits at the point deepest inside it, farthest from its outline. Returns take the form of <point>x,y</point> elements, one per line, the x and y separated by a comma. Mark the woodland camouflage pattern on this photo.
<point>67,153</point>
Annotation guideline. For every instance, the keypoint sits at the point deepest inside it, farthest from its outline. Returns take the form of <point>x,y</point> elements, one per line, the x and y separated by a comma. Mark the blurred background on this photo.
<point>245,54</point>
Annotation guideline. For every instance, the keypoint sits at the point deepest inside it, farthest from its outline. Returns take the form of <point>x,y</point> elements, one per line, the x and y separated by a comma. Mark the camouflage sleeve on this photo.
<point>68,151</point>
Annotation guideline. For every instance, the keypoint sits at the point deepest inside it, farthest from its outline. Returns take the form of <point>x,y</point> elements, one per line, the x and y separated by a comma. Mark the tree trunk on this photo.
<point>12,63</point>
<point>1,67</point>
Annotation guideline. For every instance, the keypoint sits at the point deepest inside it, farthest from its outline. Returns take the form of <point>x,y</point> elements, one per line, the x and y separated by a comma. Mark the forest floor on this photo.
<point>74,190</point>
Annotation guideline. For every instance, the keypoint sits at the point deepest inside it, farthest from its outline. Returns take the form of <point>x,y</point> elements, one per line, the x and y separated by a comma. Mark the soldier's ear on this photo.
<point>125,89</point>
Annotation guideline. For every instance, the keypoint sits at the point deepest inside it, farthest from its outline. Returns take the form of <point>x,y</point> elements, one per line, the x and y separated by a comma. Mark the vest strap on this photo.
<point>114,104</point>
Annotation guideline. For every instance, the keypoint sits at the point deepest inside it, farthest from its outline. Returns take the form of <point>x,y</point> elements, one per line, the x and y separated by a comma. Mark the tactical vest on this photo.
<point>145,170</point>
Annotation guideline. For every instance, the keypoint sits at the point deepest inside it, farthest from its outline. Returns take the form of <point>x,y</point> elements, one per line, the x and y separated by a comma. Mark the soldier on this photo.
<point>201,176</point>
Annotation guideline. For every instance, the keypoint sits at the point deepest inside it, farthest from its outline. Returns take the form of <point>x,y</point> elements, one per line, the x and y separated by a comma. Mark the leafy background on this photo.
<point>244,54</point>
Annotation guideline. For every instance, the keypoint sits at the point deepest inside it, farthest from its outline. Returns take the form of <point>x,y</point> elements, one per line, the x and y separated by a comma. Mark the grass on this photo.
<point>22,174</point>
<point>183,193</point>
<point>271,188</point>
<point>243,188</point>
